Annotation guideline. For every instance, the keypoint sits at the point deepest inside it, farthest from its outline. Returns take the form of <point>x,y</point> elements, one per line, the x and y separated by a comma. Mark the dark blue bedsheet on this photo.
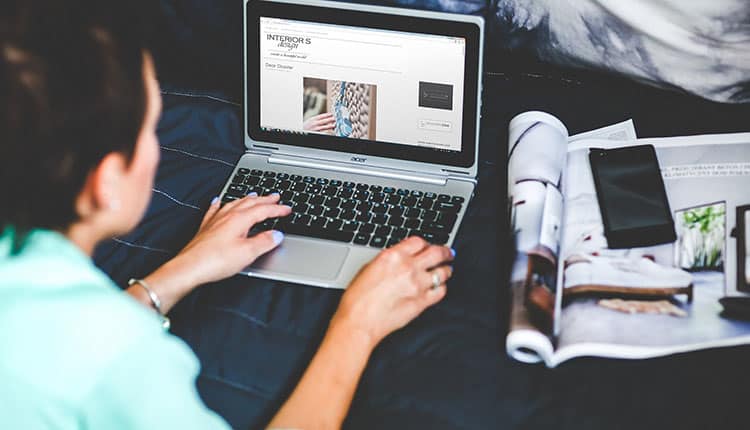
<point>448,369</point>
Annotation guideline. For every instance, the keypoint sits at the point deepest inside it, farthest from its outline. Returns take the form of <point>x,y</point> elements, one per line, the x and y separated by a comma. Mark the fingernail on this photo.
<point>453,252</point>
<point>253,194</point>
<point>275,194</point>
<point>215,200</point>
<point>277,236</point>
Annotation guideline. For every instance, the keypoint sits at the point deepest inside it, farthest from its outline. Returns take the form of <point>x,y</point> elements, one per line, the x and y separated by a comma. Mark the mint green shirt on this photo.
<point>77,353</point>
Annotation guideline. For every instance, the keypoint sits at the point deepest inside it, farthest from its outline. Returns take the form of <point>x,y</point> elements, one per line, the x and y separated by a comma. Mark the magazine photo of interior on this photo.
<point>340,108</point>
<point>700,237</point>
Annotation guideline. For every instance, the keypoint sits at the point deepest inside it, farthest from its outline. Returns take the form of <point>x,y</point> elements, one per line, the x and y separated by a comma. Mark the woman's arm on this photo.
<point>389,292</point>
<point>220,249</point>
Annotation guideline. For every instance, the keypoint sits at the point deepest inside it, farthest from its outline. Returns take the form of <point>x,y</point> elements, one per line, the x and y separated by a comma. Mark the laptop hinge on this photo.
<point>358,170</point>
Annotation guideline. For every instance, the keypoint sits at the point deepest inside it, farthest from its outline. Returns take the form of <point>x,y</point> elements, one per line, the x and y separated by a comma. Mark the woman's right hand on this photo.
<point>395,288</point>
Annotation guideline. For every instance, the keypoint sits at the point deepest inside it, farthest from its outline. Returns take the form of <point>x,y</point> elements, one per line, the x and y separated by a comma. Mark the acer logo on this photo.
<point>359,159</point>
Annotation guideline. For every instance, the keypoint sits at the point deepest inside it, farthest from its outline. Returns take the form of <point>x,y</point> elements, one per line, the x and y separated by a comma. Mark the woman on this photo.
<point>78,115</point>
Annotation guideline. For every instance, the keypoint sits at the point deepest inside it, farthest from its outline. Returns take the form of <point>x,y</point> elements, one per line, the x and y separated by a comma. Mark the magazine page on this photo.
<point>707,179</point>
<point>537,147</point>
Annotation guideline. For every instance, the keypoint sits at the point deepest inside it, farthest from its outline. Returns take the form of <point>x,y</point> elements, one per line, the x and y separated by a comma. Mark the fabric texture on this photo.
<point>700,47</point>
<point>79,353</point>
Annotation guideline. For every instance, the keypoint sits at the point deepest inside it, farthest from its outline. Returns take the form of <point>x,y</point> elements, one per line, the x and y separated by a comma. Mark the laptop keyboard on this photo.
<point>359,213</point>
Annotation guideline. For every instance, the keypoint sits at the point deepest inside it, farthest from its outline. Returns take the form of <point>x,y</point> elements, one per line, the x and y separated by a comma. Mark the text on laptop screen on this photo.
<point>361,83</point>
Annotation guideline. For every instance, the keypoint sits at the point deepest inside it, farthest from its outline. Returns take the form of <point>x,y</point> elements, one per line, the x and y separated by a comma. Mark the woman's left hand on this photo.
<point>221,248</point>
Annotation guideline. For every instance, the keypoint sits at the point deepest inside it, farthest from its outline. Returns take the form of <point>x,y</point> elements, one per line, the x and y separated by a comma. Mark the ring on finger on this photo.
<point>435,280</point>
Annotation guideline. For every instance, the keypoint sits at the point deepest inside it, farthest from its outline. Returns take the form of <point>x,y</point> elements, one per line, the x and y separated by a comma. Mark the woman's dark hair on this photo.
<point>72,90</point>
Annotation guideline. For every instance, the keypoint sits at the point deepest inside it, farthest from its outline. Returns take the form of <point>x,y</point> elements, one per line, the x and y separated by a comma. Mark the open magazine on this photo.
<point>573,296</point>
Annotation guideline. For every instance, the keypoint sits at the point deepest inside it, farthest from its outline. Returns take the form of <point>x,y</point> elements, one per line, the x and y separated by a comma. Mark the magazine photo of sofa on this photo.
<point>341,108</point>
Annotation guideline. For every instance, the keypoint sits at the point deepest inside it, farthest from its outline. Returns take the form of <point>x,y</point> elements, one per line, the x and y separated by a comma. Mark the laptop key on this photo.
<point>299,187</point>
<point>295,178</point>
<point>243,171</point>
<point>412,223</point>
<point>319,222</point>
<point>367,228</point>
<point>379,219</point>
<point>362,238</point>
<point>237,190</point>
<point>363,217</point>
<point>348,215</point>
<point>348,204</point>
<point>412,213</point>
<point>350,226</point>
<point>238,179</point>
<point>436,227</point>
<point>457,199</point>
<point>383,230</point>
<point>448,219</point>
<point>256,172</point>
<point>252,180</point>
<point>308,179</point>
<point>396,211</point>
<point>410,201</point>
<point>345,193</point>
<point>447,207</point>
<point>429,216</point>
<point>335,183</point>
<point>402,192</point>
<point>396,221</point>
<point>301,198</point>
<point>377,241</point>
<point>332,212</point>
<point>434,238</point>
<point>332,202</point>
<point>315,210</point>
<point>399,233</point>
<point>378,197</point>
<point>392,241</point>
<point>335,224</point>
<point>228,198</point>
<point>317,200</point>
<point>282,176</point>
<point>349,184</point>
<point>444,198</point>
<point>380,208</point>
<point>270,174</point>
<point>300,208</point>
<point>268,183</point>
<point>426,203</point>
<point>393,199</point>
<point>362,187</point>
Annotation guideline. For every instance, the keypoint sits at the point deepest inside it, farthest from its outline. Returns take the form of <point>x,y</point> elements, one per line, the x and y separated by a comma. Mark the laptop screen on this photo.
<point>329,79</point>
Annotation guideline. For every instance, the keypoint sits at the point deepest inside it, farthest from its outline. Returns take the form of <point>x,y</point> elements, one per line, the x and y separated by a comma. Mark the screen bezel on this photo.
<point>638,236</point>
<point>414,24</point>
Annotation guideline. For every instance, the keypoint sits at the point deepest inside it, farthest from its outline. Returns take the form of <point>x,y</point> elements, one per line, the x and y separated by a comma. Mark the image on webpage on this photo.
<point>339,108</point>
<point>358,83</point>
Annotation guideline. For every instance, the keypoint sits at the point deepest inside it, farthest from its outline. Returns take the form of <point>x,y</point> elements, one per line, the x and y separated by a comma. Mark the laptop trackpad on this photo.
<point>302,257</point>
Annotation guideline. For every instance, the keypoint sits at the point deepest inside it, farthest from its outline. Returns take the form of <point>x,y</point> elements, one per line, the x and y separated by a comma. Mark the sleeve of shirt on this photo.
<point>150,386</point>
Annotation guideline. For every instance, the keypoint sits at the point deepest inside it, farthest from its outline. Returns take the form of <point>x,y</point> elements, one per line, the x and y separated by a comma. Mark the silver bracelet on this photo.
<point>154,300</point>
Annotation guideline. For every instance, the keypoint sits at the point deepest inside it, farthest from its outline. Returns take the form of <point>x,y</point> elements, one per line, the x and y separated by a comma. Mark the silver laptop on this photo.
<point>366,120</point>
